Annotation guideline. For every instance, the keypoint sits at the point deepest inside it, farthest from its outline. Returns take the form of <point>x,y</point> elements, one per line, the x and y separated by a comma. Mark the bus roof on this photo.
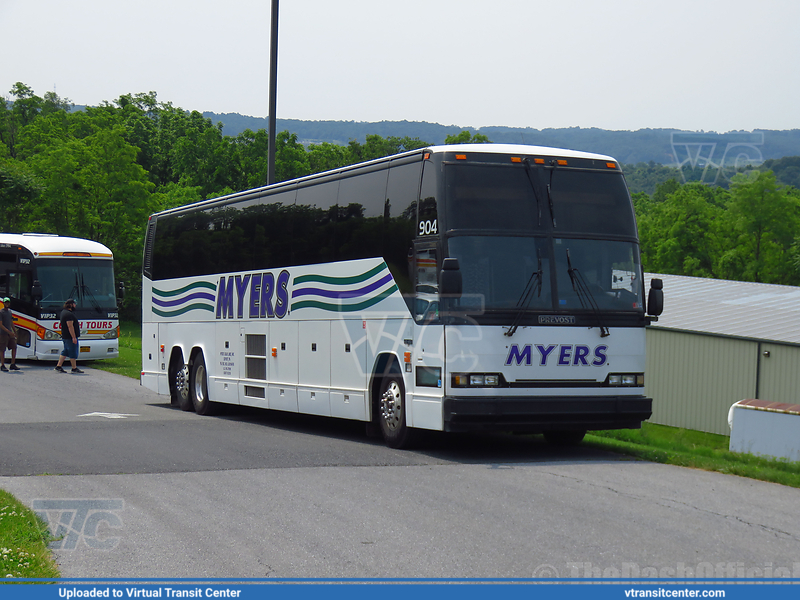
<point>47,244</point>
<point>519,149</point>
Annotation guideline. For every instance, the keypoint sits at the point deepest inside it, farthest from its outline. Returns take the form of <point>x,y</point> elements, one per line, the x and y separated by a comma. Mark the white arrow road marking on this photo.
<point>108,415</point>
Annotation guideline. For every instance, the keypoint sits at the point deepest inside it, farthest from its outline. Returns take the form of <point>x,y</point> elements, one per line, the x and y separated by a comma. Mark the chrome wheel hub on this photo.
<point>182,382</point>
<point>392,406</point>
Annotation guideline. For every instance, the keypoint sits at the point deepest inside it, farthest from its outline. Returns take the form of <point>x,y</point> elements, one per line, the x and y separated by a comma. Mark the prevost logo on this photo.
<point>267,297</point>
<point>556,320</point>
<point>562,355</point>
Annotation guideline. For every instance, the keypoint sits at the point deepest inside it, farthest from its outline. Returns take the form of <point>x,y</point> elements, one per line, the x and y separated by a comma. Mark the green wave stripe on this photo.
<point>191,286</point>
<point>345,307</point>
<point>339,280</point>
<point>180,311</point>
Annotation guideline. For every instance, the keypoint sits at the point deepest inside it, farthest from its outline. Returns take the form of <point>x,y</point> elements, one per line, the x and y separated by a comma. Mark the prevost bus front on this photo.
<point>452,288</point>
<point>39,272</point>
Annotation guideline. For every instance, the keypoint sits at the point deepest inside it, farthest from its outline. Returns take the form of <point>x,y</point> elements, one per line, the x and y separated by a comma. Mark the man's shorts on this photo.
<point>70,350</point>
<point>6,341</point>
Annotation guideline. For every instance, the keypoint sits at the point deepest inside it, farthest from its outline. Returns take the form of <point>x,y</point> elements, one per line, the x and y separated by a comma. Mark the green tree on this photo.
<point>764,221</point>
<point>326,157</point>
<point>20,189</point>
<point>678,235</point>
<point>466,137</point>
<point>291,160</point>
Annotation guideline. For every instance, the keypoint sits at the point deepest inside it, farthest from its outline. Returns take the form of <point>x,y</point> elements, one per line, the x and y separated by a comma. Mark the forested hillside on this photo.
<point>662,146</point>
<point>100,172</point>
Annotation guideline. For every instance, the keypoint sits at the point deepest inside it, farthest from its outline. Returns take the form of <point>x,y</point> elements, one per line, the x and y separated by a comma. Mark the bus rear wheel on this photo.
<point>392,413</point>
<point>179,385</point>
<point>199,387</point>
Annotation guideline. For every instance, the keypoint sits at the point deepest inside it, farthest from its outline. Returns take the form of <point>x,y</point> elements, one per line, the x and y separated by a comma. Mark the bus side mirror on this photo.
<point>36,291</point>
<point>655,299</point>
<point>450,279</point>
<point>121,290</point>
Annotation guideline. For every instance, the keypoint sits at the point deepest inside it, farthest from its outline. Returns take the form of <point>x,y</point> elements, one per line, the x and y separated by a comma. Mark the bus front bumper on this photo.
<point>537,414</point>
<point>88,349</point>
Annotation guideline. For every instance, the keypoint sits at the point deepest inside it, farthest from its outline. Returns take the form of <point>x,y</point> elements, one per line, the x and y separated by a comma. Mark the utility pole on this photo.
<point>273,92</point>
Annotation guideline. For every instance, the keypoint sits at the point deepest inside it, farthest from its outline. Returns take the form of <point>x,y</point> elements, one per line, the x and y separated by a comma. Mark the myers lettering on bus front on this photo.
<point>575,355</point>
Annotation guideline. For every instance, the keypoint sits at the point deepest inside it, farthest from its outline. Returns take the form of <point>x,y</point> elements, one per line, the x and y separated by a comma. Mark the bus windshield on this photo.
<point>495,271</point>
<point>89,282</point>
<point>567,234</point>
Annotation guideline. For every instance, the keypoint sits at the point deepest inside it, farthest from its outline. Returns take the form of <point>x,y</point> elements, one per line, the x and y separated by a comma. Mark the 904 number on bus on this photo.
<point>429,227</point>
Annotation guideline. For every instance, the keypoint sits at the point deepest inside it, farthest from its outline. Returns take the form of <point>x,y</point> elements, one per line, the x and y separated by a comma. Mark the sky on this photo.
<point>612,64</point>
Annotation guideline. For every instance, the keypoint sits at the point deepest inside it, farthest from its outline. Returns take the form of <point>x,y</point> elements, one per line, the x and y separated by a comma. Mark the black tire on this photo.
<point>564,438</point>
<point>391,413</point>
<point>179,384</point>
<point>198,387</point>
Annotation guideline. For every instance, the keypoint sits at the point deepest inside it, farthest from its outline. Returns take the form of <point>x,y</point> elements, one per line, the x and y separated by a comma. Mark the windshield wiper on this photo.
<point>75,291</point>
<point>527,164</point>
<point>534,285</point>
<point>585,295</point>
<point>87,292</point>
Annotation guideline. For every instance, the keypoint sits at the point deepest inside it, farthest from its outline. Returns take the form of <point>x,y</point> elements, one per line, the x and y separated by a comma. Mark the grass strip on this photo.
<point>23,542</point>
<point>694,449</point>
<point>129,362</point>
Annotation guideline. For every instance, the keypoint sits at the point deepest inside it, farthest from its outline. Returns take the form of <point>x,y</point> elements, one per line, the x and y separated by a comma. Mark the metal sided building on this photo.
<point>719,342</point>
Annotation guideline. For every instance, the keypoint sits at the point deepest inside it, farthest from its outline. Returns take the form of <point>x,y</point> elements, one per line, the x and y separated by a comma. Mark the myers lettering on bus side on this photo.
<point>263,287</point>
<point>566,355</point>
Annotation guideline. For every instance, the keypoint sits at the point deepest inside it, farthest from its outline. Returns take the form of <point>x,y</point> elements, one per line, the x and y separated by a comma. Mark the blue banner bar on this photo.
<point>397,590</point>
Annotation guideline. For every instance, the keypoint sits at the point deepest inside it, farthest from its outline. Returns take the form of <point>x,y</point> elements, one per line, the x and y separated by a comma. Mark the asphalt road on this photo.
<point>142,489</point>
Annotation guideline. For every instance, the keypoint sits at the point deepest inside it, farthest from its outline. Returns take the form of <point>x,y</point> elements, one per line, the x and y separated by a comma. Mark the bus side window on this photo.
<point>20,286</point>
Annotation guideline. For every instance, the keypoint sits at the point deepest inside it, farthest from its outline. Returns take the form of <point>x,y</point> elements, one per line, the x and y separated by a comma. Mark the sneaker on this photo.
<point>3,368</point>
<point>60,369</point>
<point>76,370</point>
<point>14,368</point>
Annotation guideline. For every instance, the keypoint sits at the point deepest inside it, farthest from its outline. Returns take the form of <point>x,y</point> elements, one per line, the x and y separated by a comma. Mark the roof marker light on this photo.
<point>538,161</point>
<point>461,157</point>
<point>561,162</point>
<point>611,165</point>
<point>516,159</point>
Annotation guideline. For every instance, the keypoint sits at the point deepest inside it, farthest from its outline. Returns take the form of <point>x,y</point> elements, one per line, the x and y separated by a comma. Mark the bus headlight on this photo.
<point>47,334</point>
<point>625,380</point>
<point>463,380</point>
<point>111,334</point>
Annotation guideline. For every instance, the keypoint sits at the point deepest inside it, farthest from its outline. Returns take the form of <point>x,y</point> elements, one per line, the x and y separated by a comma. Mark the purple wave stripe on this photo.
<point>343,294</point>
<point>195,296</point>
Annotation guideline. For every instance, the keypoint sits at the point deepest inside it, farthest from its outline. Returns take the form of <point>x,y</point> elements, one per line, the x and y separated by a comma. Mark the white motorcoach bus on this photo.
<point>39,272</point>
<point>455,288</point>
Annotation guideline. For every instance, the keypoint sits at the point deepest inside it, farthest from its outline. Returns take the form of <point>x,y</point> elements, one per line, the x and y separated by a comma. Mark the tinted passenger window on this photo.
<point>591,202</point>
<point>489,197</point>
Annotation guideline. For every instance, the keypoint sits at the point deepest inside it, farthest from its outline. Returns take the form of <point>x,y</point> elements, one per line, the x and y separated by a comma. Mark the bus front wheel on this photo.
<point>392,413</point>
<point>199,387</point>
